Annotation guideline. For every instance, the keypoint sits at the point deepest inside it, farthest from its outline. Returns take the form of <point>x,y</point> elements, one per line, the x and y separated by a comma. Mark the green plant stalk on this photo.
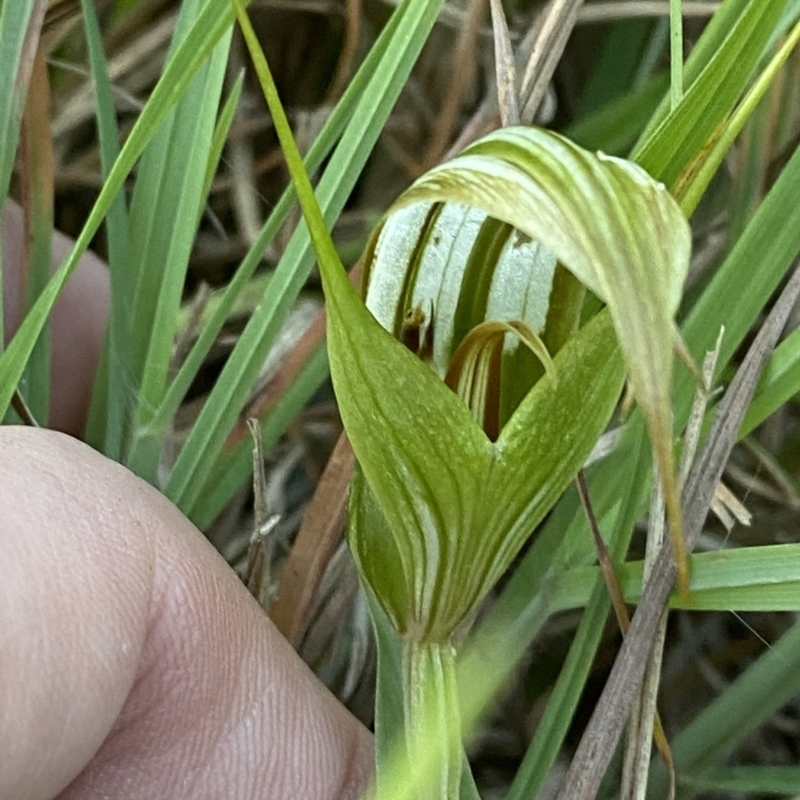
<point>329,262</point>
<point>199,454</point>
<point>106,423</point>
<point>430,703</point>
<point>430,688</point>
<point>675,53</point>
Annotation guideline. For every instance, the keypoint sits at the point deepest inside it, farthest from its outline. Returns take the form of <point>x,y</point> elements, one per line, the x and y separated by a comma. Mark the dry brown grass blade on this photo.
<point>541,50</point>
<point>658,736</point>
<point>504,66</point>
<point>323,522</point>
<point>36,155</point>
<point>257,576</point>
<point>602,734</point>
<point>316,542</point>
<point>554,26</point>
<point>30,46</point>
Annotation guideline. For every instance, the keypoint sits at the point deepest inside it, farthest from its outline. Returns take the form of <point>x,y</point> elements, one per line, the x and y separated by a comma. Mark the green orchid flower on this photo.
<point>459,497</point>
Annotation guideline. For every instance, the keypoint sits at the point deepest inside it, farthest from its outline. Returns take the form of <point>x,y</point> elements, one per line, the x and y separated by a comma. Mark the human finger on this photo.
<point>134,662</point>
<point>78,320</point>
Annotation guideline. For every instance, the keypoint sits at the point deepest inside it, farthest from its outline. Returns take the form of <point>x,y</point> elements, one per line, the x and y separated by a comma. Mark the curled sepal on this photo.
<point>475,370</point>
<point>606,220</point>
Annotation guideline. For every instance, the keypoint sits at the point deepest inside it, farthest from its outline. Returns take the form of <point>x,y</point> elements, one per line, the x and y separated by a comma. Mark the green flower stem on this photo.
<point>433,721</point>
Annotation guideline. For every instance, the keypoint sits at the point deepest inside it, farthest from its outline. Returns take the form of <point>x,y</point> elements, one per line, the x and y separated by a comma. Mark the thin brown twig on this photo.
<point>344,66</point>
<point>602,734</point>
<point>461,78</point>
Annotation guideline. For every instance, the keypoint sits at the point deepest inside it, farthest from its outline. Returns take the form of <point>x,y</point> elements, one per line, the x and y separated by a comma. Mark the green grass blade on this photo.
<point>712,38</point>
<point>751,781</point>
<point>210,26</point>
<point>204,444</point>
<point>743,579</point>
<point>614,128</point>
<point>675,53</point>
<point>701,178</point>
<point>780,382</point>
<point>219,138</point>
<point>737,292</point>
<point>14,22</point>
<point>752,698</point>
<point>105,426</point>
<point>709,99</point>
<point>615,68</point>
<point>164,217</point>
<point>333,129</point>
<point>15,18</point>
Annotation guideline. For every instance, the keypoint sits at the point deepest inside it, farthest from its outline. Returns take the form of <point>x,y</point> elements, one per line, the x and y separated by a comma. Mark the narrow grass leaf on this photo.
<point>683,135</point>
<point>333,129</point>
<point>106,424</point>
<point>714,37</point>
<point>163,218</point>
<point>204,444</point>
<point>695,181</point>
<point>209,27</point>
<point>763,578</point>
<point>780,382</point>
<point>15,65</point>
<point>614,127</point>
<point>749,780</point>
<point>737,292</point>
<point>218,140</point>
<point>750,700</point>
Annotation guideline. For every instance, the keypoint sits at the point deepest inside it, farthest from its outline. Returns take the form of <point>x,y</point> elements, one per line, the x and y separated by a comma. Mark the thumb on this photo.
<point>134,662</point>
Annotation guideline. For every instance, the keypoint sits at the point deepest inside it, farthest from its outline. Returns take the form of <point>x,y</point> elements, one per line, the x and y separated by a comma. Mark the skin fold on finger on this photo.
<point>134,662</point>
<point>78,320</point>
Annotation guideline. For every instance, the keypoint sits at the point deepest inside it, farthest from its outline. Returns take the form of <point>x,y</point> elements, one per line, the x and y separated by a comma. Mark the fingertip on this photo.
<point>137,654</point>
<point>74,596</point>
<point>78,319</point>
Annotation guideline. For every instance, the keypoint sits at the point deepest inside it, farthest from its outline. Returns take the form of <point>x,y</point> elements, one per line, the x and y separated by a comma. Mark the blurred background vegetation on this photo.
<point>608,82</point>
